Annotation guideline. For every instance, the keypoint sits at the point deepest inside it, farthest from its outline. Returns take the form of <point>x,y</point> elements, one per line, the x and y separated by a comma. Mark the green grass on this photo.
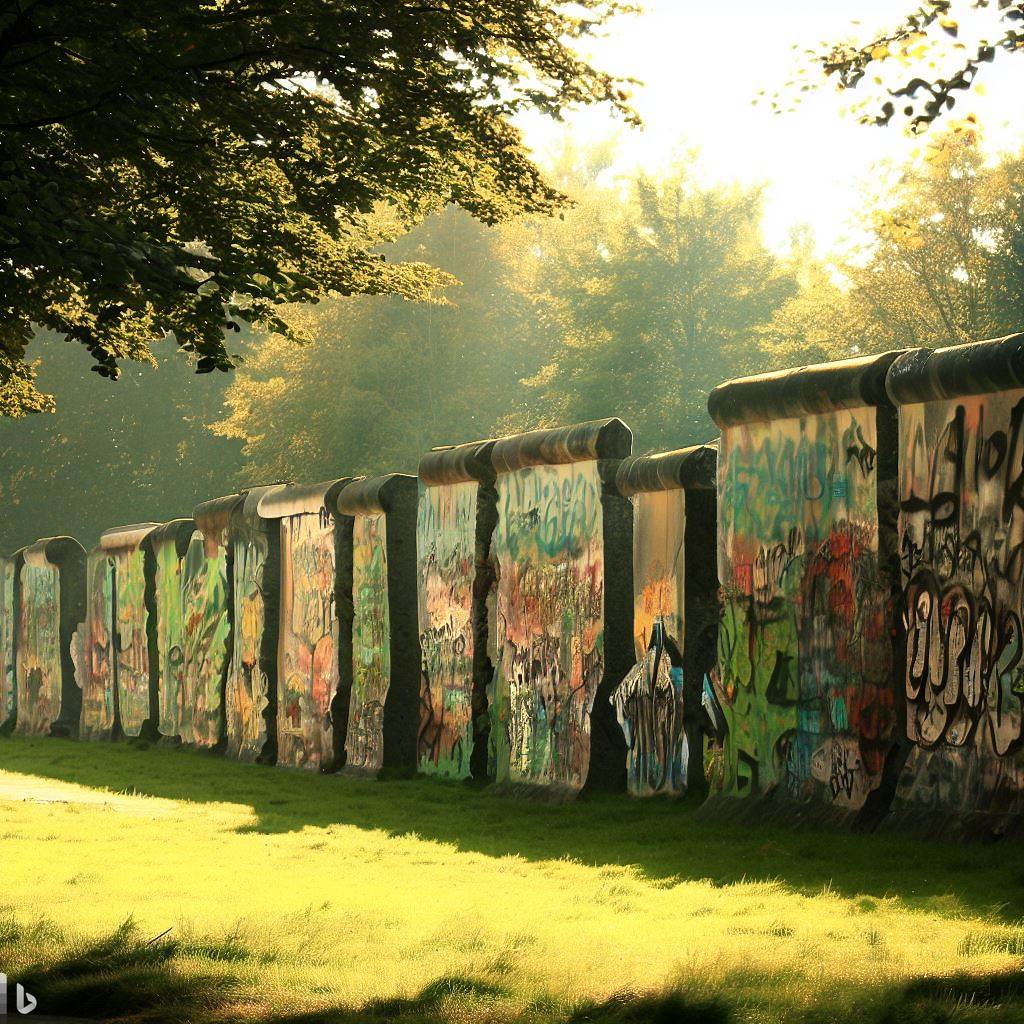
<point>155,884</point>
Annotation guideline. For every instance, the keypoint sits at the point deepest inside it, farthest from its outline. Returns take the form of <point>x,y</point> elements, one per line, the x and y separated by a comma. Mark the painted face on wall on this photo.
<point>446,547</point>
<point>804,662</point>
<point>308,649</point>
<point>371,643</point>
<point>961,544</point>
<point>550,623</point>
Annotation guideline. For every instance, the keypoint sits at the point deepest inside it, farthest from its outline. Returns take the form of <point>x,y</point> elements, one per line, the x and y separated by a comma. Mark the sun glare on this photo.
<point>703,67</point>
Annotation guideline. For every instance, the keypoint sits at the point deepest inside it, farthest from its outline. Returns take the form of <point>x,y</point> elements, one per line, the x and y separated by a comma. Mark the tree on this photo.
<point>385,379</point>
<point>654,295</point>
<point>183,169</point>
<point>116,455</point>
<point>944,264</point>
<point>918,99</point>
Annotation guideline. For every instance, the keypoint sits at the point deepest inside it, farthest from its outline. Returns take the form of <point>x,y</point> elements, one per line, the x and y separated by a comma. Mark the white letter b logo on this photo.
<point>25,1001</point>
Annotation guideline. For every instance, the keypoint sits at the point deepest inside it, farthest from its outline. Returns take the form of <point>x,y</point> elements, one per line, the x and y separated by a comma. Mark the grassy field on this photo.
<point>154,884</point>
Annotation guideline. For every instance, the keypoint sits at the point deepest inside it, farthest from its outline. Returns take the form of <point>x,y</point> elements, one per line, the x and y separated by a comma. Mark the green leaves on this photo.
<point>912,44</point>
<point>173,169</point>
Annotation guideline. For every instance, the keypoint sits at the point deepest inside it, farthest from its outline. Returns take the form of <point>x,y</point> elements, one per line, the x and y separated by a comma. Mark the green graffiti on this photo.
<point>248,689</point>
<point>206,640</point>
<point>308,648</point>
<point>803,648</point>
<point>550,623</point>
<point>446,547</point>
<point>371,643</point>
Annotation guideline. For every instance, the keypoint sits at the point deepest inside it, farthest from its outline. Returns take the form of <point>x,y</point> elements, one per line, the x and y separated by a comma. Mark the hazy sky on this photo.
<point>702,62</point>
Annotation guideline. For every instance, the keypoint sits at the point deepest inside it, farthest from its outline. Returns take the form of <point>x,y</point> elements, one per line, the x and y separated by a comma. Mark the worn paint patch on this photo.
<point>94,649</point>
<point>308,648</point>
<point>550,623</point>
<point>804,655</point>
<point>371,643</point>
<point>659,580</point>
<point>206,641</point>
<point>37,652</point>
<point>248,688</point>
<point>446,551</point>
<point>962,545</point>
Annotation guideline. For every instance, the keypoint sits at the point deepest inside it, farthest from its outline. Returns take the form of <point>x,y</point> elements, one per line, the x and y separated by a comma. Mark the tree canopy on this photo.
<point>184,169</point>
<point>652,293</point>
<point>943,264</point>
<point>651,290</point>
<point>636,303</point>
<point>917,94</point>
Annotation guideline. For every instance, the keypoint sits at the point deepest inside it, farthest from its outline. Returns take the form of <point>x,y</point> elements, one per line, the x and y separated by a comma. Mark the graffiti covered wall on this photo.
<point>455,519</point>
<point>94,649</point>
<point>805,662</point>
<point>961,548</point>
<point>307,666</point>
<point>206,643</point>
<point>248,690</point>
<point>660,704</point>
<point>7,631</point>
<point>550,641</point>
<point>37,648</point>
<point>251,697</point>
<point>132,627</point>
<point>446,564</point>
<point>651,702</point>
<point>51,604</point>
<point>371,643</point>
<point>380,694</point>
<point>169,544</point>
<point>550,622</point>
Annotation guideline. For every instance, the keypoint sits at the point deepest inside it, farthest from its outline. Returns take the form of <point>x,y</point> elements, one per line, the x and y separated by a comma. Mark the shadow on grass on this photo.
<point>123,977</point>
<point>661,839</point>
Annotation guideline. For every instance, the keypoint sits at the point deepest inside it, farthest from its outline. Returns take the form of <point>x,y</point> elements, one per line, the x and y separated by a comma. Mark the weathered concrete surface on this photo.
<point>455,522</point>
<point>675,618</point>
<point>563,626</point>
<point>805,679</point>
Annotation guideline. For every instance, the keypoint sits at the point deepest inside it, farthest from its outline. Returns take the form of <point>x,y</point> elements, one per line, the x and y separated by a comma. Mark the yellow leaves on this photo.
<point>915,49</point>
